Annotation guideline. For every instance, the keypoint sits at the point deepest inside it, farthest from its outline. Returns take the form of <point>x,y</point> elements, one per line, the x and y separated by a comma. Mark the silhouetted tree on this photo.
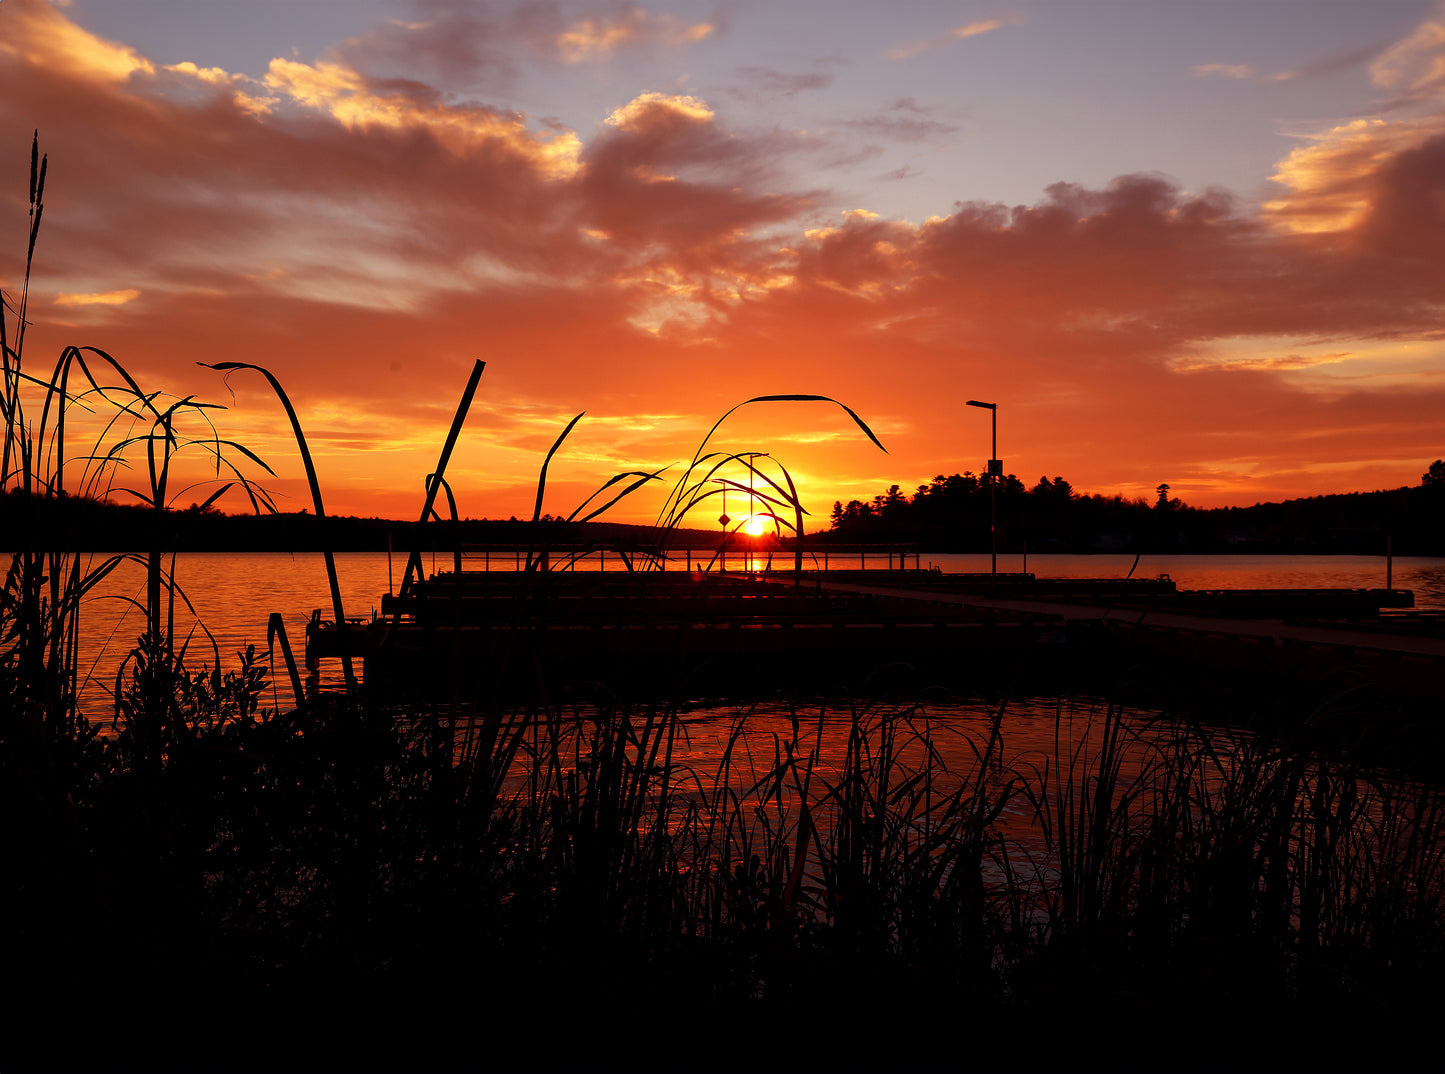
<point>951,514</point>
<point>890,505</point>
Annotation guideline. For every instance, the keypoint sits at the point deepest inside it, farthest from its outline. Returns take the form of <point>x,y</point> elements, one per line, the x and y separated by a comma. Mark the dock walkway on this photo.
<point>1281,631</point>
<point>1410,661</point>
<point>462,629</point>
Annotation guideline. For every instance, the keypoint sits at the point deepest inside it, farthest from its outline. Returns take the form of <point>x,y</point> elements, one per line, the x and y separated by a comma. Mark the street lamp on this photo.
<point>995,471</point>
<point>723,520</point>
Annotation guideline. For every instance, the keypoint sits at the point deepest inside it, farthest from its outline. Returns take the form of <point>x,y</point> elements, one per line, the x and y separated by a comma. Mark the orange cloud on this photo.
<point>368,237</point>
<point>958,33</point>
<point>653,109</point>
<point>214,76</point>
<point>41,36</point>
<point>102,298</point>
<point>597,38</point>
<point>1415,65</point>
<point>1331,184</point>
<point>1226,70</point>
<point>982,26</point>
<point>347,96</point>
<point>1274,362</point>
<point>1330,65</point>
<point>225,80</point>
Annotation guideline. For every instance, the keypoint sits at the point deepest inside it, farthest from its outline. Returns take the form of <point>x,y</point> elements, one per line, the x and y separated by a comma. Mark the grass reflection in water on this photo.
<point>1007,851</point>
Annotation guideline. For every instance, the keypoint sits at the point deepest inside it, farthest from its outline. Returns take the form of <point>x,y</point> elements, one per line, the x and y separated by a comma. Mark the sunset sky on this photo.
<point>1194,243</point>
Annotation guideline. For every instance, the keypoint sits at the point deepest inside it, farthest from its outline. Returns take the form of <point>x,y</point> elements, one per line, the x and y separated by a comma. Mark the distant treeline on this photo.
<point>951,514</point>
<point>77,524</point>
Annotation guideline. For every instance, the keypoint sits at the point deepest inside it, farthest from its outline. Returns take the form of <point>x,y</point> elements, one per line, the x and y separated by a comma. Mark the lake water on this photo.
<point>232,595</point>
<point>1042,760</point>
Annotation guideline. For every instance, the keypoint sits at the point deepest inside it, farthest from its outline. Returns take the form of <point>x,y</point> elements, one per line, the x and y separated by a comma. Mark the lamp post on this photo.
<point>995,471</point>
<point>723,520</point>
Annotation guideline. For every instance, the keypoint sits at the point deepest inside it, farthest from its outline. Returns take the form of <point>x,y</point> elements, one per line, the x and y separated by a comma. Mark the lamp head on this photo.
<point>985,406</point>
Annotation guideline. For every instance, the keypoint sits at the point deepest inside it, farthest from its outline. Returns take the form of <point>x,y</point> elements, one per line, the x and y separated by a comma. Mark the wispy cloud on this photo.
<point>98,298</point>
<point>592,39</point>
<point>762,83</point>
<point>1415,67</point>
<point>948,37</point>
<point>901,128</point>
<point>1325,68</point>
<point>1241,71</point>
<point>1272,363</point>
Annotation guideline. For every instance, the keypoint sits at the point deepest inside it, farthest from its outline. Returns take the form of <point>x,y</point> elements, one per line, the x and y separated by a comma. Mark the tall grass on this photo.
<point>47,586</point>
<point>97,826</point>
<point>769,489</point>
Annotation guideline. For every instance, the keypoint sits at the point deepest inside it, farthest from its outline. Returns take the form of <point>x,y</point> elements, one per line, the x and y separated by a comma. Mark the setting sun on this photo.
<point>755,525</point>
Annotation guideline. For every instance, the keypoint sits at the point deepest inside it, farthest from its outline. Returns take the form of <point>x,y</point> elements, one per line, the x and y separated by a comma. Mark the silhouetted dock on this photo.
<point>456,633</point>
<point>710,631</point>
<point>1351,637</point>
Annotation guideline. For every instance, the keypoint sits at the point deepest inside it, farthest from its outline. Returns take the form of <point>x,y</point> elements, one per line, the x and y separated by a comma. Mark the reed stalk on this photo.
<point>315,485</point>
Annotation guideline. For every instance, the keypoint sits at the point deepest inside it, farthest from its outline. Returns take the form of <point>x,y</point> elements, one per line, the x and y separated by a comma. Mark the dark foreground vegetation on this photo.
<point>217,885</point>
<point>196,881</point>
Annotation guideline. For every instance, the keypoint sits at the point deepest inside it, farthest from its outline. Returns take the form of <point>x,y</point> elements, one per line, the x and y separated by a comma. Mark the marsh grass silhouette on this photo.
<point>216,884</point>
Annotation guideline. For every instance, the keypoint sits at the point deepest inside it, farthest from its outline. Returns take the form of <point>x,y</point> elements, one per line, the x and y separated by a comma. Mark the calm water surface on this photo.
<point>233,594</point>
<point>732,746</point>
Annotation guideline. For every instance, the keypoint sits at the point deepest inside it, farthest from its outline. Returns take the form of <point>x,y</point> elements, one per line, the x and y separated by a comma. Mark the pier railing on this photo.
<point>749,556</point>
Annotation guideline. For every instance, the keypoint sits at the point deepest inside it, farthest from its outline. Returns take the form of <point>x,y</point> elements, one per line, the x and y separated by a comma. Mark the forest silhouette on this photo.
<point>951,514</point>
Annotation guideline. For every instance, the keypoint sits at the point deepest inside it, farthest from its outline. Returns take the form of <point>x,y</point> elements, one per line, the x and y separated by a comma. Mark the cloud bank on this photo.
<point>364,227</point>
